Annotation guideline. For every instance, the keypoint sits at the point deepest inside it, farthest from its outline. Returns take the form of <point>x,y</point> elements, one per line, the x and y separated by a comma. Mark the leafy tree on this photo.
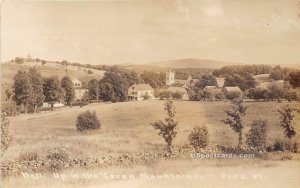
<point>277,73</point>
<point>131,77</point>
<point>155,80</point>
<point>67,86</point>
<point>292,95</point>
<point>257,135</point>
<point>177,95</point>
<point>164,95</point>
<point>197,94</point>
<point>93,88</point>
<point>52,90</point>
<point>235,118</point>
<point>243,81</point>
<point>287,120</point>
<point>206,80</point>
<point>257,93</point>
<point>167,128</point>
<point>233,95</point>
<point>37,96</point>
<point>113,87</point>
<point>23,89</point>
<point>294,79</point>
<point>198,138</point>
<point>275,92</point>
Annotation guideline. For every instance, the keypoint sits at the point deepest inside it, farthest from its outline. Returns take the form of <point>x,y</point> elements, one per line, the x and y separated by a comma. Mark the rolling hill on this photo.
<point>8,71</point>
<point>191,63</point>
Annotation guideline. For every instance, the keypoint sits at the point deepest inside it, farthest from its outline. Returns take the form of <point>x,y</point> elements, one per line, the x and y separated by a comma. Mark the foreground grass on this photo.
<point>125,127</point>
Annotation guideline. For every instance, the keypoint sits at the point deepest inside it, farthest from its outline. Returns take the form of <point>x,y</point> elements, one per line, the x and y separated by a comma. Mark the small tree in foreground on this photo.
<point>235,118</point>
<point>287,120</point>
<point>167,128</point>
<point>198,137</point>
<point>257,135</point>
<point>87,120</point>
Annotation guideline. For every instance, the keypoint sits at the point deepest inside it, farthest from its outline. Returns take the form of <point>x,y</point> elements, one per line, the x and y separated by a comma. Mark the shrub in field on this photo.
<point>58,154</point>
<point>286,145</point>
<point>28,156</point>
<point>198,138</point>
<point>233,95</point>
<point>292,146</point>
<point>279,145</point>
<point>6,137</point>
<point>87,120</point>
<point>257,135</point>
<point>177,95</point>
<point>219,96</point>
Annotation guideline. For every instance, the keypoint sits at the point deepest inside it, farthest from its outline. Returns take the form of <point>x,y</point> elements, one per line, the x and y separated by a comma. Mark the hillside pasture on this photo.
<point>8,71</point>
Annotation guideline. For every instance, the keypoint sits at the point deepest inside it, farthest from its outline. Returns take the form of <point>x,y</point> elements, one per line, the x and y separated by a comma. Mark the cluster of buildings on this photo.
<point>173,85</point>
<point>140,92</point>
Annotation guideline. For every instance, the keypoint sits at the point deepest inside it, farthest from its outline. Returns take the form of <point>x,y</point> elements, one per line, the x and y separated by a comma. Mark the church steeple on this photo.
<point>170,77</point>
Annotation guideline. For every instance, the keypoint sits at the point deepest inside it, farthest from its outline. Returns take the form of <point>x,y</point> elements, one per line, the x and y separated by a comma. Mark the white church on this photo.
<point>177,85</point>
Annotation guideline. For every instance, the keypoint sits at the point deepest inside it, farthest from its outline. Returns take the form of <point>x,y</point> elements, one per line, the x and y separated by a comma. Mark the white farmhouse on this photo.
<point>140,92</point>
<point>80,92</point>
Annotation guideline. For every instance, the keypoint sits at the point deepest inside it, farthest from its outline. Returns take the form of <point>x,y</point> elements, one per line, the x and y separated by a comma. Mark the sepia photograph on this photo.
<point>150,94</point>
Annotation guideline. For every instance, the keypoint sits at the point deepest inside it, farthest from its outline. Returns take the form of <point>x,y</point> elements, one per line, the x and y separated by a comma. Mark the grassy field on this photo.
<point>126,129</point>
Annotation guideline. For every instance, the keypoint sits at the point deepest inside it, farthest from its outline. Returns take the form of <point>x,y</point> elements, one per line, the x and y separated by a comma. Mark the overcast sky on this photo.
<point>245,31</point>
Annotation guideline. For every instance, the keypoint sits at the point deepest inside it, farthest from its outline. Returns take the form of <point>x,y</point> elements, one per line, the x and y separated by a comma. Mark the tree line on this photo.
<point>31,89</point>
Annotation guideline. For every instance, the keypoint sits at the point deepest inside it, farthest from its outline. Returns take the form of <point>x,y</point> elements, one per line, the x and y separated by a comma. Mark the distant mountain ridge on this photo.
<point>192,63</point>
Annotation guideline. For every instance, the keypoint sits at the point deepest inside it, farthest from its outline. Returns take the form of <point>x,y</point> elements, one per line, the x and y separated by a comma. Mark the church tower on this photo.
<point>170,77</point>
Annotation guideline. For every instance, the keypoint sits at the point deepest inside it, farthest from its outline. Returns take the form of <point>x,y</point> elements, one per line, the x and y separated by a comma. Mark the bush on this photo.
<point>58,157</point>
<point>219,96</point>
<point>28,156</point>
<point>292,146</point>
<point>289,145</point>
<point>256,136</point>
<point>87,120</point>
<point>198,138</point>
<point>177,95</point>
<point>233,95</point>
<point>6,137</point>
<point>164,95</point>
<point>58,154</point>
<point>279,146</point>
<point>257,93</point>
